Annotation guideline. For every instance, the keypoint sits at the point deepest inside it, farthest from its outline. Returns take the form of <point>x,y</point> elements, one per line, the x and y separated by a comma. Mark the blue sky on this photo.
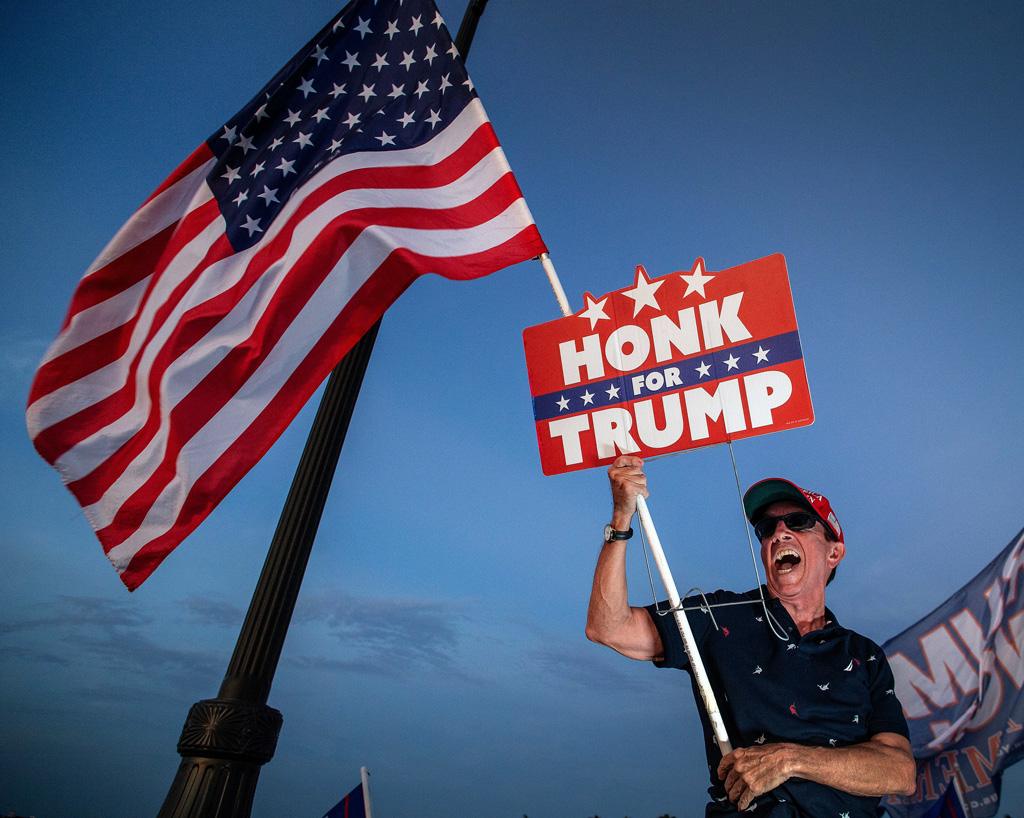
<point>439,634</point>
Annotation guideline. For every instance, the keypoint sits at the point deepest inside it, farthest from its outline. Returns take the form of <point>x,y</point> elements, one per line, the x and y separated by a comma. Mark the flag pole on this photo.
<point>700,674</point>
<point>364,778</point>
<point>226,740</point>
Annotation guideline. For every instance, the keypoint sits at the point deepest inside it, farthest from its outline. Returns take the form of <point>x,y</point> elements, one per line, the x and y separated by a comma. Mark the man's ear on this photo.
<point>836,552</point>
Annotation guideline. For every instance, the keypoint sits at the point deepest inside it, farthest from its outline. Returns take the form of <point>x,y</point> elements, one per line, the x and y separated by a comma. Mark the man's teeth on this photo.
<point>784,566</point>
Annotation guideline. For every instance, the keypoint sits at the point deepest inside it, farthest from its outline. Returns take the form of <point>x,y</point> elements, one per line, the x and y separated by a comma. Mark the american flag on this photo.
<point>227,298</point>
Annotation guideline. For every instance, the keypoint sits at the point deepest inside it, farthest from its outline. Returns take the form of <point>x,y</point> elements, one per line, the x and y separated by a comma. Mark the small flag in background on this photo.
<point>228,297</point>
<point>351,806</point>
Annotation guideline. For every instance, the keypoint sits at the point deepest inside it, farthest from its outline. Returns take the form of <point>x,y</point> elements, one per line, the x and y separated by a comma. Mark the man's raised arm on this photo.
<point>610,619</point>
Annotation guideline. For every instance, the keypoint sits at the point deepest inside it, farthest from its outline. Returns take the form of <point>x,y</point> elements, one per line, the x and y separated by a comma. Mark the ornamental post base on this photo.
<point>223,745</point>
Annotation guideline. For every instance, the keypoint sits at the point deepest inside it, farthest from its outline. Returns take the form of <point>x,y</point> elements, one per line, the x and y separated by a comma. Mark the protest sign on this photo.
<point>688,359</point>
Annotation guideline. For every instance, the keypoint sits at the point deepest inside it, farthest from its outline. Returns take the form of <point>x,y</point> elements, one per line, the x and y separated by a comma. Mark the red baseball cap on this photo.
<point>775,489</point>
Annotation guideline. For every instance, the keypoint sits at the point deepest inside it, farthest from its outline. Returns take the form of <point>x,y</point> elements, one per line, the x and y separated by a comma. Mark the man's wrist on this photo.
<point>801,759</point>
<point>621,520</point>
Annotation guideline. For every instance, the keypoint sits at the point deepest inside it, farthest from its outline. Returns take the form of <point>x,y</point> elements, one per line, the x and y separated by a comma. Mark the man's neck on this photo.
<point>808,613</point>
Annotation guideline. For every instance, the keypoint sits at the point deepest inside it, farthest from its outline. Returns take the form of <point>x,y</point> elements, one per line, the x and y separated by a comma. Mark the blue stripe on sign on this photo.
<point>672,376</point>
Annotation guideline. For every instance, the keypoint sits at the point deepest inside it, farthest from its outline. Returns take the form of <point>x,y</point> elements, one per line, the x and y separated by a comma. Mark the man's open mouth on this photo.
<point>786,560</point>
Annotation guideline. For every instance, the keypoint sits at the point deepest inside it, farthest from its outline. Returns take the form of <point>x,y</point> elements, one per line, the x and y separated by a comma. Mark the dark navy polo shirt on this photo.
<point>829,688</point>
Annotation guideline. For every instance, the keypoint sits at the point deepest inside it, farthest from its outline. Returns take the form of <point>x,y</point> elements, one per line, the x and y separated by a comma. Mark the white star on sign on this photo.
<point>392,29</point>
<point>421,89</point>
<point>303,140</point>
<point>257,169</point>
<point>350,60</point>
<point>351,120</point>
<point>704,370</point>
<point>415,25</point>
<point>276,143</point>
<point>306,86</point>
<point>231,175</point>
<point>613,392</point>
<point>431,55</point>
<point>261,112</point>
<point>434,118</point>
<point>643,292</point>
<point>732,362</point>
<point>397,91</point>
<point>762,354</point>
<point>293,117</point>
<point>594,311</point>
<point>366,93</point>
<point>380,62</point>
<point>229,134</point>
<point>241,197</point>
<point>696,279</point>
<point>245,143</point>
<point>406,119</point>
<point>321,115</point>
<point>588,398</point>
<point>287,166</point>
<point>252,225</point>
<point>445,83</point>
<point>363,28</point>
<point>407,60</point>
<point>438,19</point>
<point>336,144</point>
<point>320,54</point>
<point>385,139</point>
<point>563,403</point>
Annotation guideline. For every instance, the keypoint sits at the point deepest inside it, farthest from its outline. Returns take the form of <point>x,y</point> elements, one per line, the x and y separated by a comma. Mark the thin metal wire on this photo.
<point>772,621</point>
<point>706,607</point>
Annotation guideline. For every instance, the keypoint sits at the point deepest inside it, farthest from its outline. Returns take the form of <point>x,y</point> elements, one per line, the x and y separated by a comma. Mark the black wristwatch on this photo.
<point>610,534</point>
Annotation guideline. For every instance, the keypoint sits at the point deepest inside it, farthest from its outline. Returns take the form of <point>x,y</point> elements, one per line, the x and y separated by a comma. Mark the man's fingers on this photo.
<point>628,461</point>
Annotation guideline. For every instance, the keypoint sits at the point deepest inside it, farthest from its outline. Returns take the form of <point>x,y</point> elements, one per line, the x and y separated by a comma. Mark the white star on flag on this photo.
<point>588,398</point>
<point>732,362</point>
<point>595,310</point>
<point>563,403</point>
<point>704,370</point>
<point>762,354</point>
<point>613,392</point>
<point>643,292</point>
<point>696,279</point>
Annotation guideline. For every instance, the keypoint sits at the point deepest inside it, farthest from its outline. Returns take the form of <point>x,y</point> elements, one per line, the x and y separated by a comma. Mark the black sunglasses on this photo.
<point>795,521</point>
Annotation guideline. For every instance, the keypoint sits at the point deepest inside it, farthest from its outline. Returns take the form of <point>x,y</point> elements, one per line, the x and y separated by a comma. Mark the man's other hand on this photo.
<point>752,771</point>
<point>628,480</point>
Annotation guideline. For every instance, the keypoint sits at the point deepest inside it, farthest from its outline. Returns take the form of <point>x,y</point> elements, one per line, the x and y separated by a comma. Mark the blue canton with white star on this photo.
<point>379,77</point>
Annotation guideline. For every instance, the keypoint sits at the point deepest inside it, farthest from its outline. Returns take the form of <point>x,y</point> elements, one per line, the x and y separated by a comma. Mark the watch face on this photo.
<point>608,530</point>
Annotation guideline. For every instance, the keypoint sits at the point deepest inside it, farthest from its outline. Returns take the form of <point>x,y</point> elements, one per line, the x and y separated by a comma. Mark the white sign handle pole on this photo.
<point>696,663</point>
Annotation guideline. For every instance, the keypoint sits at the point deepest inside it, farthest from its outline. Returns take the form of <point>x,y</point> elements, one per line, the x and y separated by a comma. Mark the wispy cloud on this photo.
<point>109,634</point>
<point>385,636</point>
<point>81,612</point>
<point>207,611</point>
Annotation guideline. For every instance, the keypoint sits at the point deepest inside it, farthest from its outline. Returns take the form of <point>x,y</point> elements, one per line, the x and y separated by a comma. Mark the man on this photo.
<point>813,715</point>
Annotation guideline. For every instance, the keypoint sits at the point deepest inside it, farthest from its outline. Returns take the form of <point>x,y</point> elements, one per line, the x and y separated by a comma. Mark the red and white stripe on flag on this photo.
<point>181,360</point>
